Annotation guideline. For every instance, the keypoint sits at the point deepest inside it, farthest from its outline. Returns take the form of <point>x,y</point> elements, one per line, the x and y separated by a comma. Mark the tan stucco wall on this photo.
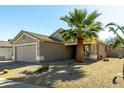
<point>6,53</point>
<point>55,51</point>
<point>106,51</point>
<point>102,50</point>
<point>94,49</point>
<point>27,40</point>
<point>98,50</point>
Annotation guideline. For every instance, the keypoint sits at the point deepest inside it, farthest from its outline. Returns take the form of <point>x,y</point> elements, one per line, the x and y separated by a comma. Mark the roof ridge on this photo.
<point>36,35</point>
<point>58,30</point>
<point>41,36</point>
<point>29,32</point>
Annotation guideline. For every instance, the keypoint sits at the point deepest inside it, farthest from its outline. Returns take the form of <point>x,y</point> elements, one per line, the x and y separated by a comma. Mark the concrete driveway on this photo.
<point>4,83</point>
<point>10,64</point>
<point>7,61</point>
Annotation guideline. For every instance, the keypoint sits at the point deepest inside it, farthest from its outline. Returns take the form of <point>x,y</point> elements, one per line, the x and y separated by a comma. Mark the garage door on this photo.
<point>26,53</point>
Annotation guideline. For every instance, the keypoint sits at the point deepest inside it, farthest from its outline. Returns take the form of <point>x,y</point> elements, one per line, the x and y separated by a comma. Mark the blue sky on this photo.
<point>45,19</point>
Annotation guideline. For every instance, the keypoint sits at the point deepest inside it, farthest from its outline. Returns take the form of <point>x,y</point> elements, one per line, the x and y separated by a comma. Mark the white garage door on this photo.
<point>26,53</point>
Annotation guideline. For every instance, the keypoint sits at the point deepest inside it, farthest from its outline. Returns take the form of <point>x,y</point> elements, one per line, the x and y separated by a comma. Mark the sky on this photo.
<point>45,19</point>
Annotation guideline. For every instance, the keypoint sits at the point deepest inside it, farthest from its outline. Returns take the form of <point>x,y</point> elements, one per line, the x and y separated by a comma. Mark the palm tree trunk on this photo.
<point>79,51</point>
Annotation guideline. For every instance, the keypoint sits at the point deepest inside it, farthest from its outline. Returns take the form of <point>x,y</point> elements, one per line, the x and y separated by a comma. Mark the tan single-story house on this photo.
<point>33,47</point>
<point>5,50</point>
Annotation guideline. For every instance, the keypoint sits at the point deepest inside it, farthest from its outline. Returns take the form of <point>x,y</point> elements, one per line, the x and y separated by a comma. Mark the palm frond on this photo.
<point>68,35</point>
<point>81,24</point>
<point>116,25</point>
<point>114,42</point>
<point>93,15</point>
<point>96,26</point>
<point>111,28</point>
<point>90,35</point>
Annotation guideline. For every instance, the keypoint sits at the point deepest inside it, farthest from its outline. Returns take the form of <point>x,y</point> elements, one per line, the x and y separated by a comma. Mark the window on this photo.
<point>87,49</point>
<point>23,38</point>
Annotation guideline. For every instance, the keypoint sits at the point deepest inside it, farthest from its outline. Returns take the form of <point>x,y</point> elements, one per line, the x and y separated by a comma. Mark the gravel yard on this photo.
<point>86,75</point>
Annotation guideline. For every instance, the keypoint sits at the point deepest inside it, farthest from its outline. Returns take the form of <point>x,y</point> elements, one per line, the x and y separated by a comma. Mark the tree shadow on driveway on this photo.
<point>88,62</point>
<point>61,73</point>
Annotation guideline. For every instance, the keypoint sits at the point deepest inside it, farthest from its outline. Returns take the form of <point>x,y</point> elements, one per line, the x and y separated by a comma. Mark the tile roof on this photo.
<point>42,37</point>
<point>55,37</point>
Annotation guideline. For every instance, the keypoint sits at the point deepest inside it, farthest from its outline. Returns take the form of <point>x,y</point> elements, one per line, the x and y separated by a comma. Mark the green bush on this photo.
<point>5,71</point>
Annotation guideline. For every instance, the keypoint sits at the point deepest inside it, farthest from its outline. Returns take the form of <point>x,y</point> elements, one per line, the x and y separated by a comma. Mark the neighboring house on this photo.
<point>32,47</point>
<point>5,50</point>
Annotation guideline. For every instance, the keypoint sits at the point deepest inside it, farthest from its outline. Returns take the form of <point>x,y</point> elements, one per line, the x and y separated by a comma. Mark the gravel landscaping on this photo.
<point>86,75</point>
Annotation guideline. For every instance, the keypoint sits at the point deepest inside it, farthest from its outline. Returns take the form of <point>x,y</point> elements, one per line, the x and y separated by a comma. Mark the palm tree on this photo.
<point>120,40</point>
<point>113,42</point>
<point>114,28</point>
<point>81,26</point>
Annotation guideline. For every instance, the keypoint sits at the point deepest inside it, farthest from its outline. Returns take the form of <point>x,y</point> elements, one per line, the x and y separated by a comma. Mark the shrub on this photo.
<point>120,57</point>
<point>69,63</point>
<point>43,68</point>
<point>5,71</point>
<point>105,59</point>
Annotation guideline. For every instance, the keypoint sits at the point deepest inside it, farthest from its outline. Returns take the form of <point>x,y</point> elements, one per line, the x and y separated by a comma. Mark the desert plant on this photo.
<point>105,59</point>
<point>69,63</point>
<point>43,68</point>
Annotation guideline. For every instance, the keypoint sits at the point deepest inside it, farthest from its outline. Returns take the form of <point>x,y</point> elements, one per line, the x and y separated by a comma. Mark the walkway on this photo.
<point>4,83</point>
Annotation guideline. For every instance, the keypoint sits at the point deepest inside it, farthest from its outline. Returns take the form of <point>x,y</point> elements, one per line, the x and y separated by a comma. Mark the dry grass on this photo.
<point>87,75</point>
